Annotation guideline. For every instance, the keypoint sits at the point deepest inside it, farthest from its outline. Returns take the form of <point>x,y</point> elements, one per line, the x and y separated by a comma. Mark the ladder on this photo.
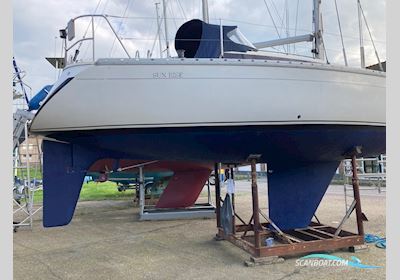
<point>25,182</point>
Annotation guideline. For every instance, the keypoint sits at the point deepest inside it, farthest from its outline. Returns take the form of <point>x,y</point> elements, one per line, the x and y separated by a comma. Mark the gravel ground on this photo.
<point>106,241</point>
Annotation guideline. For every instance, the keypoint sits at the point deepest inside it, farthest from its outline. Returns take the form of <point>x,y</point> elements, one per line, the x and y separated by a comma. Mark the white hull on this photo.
<point>185,93</point>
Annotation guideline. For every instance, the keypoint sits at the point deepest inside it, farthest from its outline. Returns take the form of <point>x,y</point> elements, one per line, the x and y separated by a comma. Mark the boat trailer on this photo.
<point>252,236</point>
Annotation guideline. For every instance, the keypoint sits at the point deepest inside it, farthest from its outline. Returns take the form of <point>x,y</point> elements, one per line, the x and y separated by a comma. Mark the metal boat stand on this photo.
<point>317,237</point>
<point>151,213</point>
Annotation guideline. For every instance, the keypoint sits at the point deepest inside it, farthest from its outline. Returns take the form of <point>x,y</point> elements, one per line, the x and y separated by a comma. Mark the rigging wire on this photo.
<point>173,15</point>
<point>283,14</point>
<point>249,23</point>
<point>254,24</point>
<point>273,21</point>
<point>277,13</point>
<point>105,6</point>
<point>272,18</point>
<point>155,39</point>
<point>361,34</point>
<point>282,26</point>
<point>174,19</point>
<point>295,27</point>
<point>341,34</point>
<point>164,18</point>
<point>182,10</point>
<point>370,35</point>
<point>96,25</point>
<point>148,42</point>
<point>158,34</point>
<point>120,26</point>
<point>90,23</point>
<point>326,54</point>
<point>287,22</point>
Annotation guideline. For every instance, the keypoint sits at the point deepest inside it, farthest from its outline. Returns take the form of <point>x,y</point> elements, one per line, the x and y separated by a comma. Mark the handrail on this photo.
<point>78,41</point>
<point>92,16</point>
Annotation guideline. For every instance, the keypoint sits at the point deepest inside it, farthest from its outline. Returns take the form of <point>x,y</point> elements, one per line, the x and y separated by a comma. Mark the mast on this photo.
<point>206,17</point>
<point>158,29</point>
<point>362,54</point>
<point>317,20</point>
<point>166,27</point>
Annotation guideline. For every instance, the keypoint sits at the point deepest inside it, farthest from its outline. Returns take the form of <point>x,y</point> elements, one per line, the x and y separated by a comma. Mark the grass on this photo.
<point>95,191</point>
<point>90,191</point>
<point>102,191</point>
<point>106,191</point>
<point>34,173</point>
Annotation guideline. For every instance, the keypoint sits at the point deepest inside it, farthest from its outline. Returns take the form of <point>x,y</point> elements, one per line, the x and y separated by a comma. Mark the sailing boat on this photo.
<point>218,101</point>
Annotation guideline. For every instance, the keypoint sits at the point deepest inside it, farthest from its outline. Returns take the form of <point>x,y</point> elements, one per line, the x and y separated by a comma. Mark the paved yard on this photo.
<point>106,241</point>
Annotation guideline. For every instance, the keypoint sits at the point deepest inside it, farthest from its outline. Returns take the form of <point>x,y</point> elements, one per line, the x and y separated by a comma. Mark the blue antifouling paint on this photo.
<point>64,168</point>
<point>303,158</point>
<point>295,191</point>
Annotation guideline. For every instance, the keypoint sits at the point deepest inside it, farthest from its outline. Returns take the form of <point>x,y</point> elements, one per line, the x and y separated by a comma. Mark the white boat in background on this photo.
<point>220,100</point>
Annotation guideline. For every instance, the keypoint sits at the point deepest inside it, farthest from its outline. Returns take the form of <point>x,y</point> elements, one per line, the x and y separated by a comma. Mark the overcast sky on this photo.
<point>36,25</point>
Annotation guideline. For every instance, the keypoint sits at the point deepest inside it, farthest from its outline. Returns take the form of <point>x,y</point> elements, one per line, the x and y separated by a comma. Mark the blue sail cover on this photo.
<point>34,103</point>
<point>202,40</point>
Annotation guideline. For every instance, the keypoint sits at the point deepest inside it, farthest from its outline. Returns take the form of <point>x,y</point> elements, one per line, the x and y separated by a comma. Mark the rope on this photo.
<point>379,242</point>
<point>371,238</point>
